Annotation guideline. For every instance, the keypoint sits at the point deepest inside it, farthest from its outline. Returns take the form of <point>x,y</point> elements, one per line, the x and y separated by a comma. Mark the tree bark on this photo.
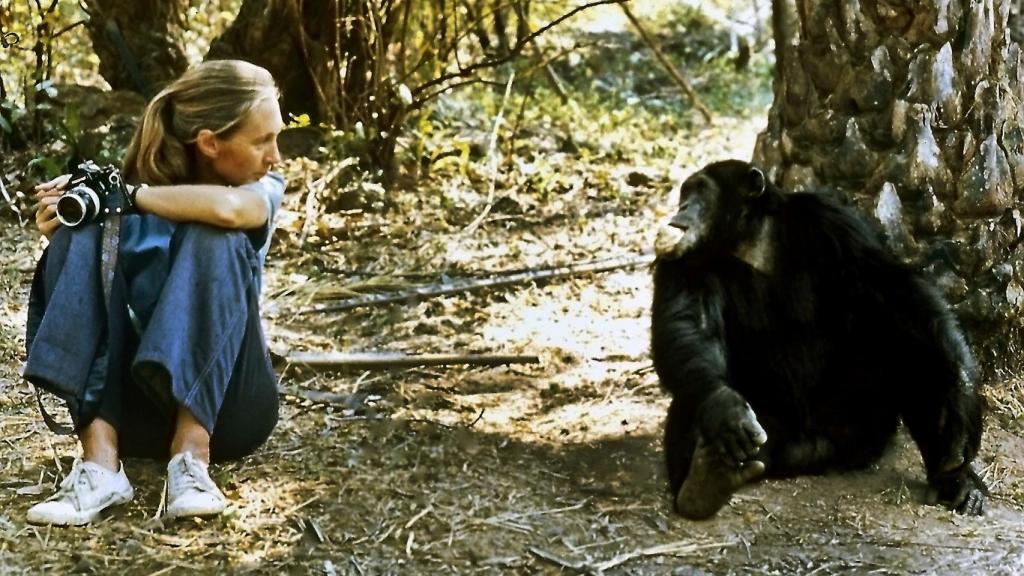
<point>139,44</point>
<point>912,111</point>
<point>330,60</point>
<point>296,44</point>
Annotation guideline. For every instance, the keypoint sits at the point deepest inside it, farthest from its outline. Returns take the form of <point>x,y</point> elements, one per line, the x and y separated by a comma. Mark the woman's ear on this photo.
<point>207,143</point>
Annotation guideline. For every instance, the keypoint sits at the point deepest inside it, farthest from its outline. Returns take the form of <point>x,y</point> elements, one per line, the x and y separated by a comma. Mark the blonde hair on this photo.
<point>215,95</point>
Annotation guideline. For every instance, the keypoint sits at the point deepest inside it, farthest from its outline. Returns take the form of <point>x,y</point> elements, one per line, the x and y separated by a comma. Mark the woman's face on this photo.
<point>249,152</point>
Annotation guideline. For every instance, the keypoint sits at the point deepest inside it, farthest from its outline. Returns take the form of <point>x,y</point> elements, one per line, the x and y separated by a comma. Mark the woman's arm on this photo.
<point>222,206</point>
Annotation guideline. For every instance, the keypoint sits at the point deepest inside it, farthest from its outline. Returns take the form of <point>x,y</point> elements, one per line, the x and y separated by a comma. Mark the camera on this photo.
<point>91,192</point>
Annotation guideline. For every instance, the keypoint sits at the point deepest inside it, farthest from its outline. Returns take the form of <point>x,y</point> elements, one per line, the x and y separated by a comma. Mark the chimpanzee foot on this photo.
<point>711,482</point>
<point>960,490</point>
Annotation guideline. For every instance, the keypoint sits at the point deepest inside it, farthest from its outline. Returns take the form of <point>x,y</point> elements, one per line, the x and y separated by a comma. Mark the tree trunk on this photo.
<point>330,61</point>
<point>1016,25</point>
<point>296,47</point>
<point>911,111</point>
<point>139,44</point>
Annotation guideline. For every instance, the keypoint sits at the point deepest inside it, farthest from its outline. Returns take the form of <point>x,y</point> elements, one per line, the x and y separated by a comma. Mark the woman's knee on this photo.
<point>209,247</point>
<point>204,237</point>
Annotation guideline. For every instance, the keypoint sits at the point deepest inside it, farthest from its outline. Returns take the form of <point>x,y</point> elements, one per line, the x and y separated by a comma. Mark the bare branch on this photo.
<point>495,160</point>
<point>669,67</point>
<point>513,52</point>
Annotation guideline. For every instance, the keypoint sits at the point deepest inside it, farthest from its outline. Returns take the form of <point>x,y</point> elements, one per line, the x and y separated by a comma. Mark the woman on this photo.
<point>175,364</point>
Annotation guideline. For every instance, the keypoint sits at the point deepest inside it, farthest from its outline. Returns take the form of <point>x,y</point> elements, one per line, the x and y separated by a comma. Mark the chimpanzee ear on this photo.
<point>755,182</point>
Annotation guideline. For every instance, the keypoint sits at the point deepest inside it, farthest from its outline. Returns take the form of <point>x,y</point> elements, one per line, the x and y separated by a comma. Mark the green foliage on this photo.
<point>10,115</point>
<point>403,121</point>
<point>204,21</point>
<point>300,121</point>
<point>621,98</point>
<point>619,68</point>
<point>52,46</point>
<point>47,167</point>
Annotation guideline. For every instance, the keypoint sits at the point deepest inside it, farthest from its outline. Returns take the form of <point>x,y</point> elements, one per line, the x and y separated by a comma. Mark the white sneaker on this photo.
<point>190,490</point>
<point>86,491</point>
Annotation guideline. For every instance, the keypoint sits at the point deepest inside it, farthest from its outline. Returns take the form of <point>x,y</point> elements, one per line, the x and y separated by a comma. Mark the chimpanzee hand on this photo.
<point>729,426</point>
<point>960,490</point>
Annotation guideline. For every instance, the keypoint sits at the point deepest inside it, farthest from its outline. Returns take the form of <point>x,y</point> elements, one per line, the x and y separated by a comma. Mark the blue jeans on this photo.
<point>202,346</point>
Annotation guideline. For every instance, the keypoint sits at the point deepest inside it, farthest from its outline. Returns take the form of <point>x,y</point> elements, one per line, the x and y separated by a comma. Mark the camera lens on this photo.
<point>78,205</point>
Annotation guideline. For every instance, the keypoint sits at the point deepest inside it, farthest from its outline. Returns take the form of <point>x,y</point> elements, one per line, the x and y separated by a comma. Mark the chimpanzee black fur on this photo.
<point>793,342</point>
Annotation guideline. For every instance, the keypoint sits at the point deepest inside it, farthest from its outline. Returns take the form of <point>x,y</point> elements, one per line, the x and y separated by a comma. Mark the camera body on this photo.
<point>92,192</point>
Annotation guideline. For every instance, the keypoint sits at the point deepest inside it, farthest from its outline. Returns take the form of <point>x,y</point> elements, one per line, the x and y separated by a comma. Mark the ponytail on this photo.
<point>216,96</point>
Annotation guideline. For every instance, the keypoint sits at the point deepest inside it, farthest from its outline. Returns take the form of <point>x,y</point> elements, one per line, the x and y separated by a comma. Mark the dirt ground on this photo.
<point>530,469</point>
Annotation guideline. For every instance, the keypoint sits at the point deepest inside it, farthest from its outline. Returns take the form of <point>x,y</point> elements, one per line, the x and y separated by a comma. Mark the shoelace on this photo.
<point>192,476</point>
<point>73,488</point>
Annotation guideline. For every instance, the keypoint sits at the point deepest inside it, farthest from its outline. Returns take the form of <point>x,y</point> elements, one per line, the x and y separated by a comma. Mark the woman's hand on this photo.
<point>47,194</point>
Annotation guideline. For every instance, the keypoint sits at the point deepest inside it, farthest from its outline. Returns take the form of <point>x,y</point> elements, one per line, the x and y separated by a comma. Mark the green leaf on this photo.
<point>50,168</point>
<point>72,120</point>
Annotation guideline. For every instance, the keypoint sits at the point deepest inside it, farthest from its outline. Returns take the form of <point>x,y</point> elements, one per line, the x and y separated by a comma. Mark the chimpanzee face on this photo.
<point>718,209</point>
<point>698,204</point>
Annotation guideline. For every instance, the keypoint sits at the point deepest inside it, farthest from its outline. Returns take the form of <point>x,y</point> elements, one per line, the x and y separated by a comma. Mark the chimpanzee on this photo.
<point>793,342</point>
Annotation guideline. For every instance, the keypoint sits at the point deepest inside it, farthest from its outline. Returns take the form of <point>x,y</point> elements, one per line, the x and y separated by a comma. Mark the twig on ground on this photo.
<point>300,506</point>
<point>386,360</point>
<point>680,548</point>
<point>477,419</point>
<point>558,560</point>
<point>320,397</point>
<point>426,510</point>
<point>465,285</point>
<point>356,565</point>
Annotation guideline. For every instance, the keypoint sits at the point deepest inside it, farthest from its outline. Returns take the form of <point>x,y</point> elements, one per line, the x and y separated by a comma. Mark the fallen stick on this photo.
<point>677,549</point>
<point>577,567</point>
<point>444,289</point>
<point>350,401</point>
<point>383,360</point>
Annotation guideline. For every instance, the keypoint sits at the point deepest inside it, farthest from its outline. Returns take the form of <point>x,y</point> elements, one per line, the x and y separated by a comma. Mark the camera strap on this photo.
<point>49,420</point>
<point>108,255</point>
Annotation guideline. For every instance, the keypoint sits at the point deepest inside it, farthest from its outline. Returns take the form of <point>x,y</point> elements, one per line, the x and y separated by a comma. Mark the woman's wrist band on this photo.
<point>133,192</point>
